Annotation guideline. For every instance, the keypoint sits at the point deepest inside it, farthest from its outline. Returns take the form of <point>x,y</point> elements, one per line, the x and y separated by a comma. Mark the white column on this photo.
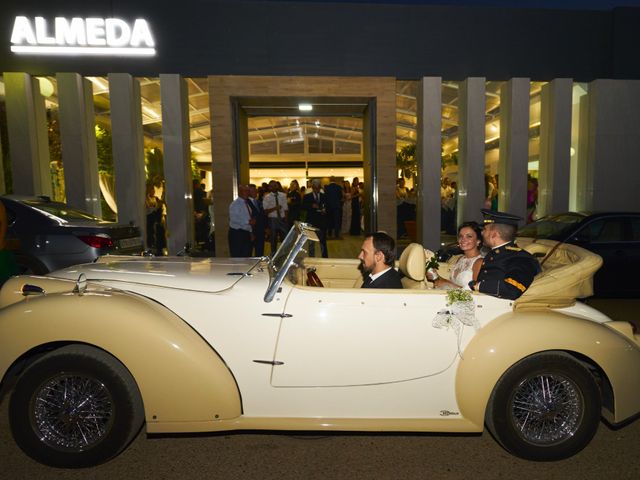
<point>555,147</point>
<point>514,146</point>
<point>471,189</point>
<point>584,180</point>
<point>177,161</point>
<point>28,141</point>
<point>128,149</point>
<point>428,156</point>
<point>78,137</point>
<point>613,170</point>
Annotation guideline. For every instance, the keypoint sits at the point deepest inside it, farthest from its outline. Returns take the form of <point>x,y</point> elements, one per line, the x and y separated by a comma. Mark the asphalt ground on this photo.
<point>612,454</point>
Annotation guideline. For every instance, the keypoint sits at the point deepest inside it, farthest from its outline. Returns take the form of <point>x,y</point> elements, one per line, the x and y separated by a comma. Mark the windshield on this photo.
<point>279,258</point>
<point>553,227</point>
<point>291,253</point>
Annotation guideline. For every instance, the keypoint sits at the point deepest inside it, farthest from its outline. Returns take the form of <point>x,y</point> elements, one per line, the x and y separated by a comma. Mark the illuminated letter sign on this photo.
<point>84,36</point>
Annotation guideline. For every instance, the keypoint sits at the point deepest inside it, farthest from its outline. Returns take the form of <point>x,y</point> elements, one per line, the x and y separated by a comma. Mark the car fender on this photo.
<point>180,377</point>
<point>514,336</point>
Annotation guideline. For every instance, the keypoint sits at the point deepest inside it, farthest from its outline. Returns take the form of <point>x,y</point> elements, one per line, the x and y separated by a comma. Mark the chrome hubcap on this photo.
<point>547,409</point>
<point>72,412</point>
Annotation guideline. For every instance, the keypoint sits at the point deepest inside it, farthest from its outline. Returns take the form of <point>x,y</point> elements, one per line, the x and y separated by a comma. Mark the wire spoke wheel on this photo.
<point>75,406</point>
<point>547,409</point>
<point>72,412</point>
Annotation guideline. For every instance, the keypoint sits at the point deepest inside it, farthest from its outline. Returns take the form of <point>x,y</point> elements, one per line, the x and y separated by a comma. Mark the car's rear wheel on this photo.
<point>75,407</point>
<point>545,407</point>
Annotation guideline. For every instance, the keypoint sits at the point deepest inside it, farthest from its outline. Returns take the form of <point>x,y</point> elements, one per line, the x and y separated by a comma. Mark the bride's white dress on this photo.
<point>462,272</point>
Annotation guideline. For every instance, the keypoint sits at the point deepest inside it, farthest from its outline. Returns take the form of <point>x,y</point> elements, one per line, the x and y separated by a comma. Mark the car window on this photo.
<point>60,210</point>
<point>552,226</point>
<point>603,231</point>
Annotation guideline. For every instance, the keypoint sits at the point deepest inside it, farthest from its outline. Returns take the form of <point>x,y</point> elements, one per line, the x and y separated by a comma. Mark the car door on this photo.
<point>361,337</point>
<point>609,238</point>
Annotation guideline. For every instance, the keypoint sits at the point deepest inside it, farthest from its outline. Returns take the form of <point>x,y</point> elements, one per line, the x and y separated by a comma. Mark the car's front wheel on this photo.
<point>76,406</point>
<point>545,407</point>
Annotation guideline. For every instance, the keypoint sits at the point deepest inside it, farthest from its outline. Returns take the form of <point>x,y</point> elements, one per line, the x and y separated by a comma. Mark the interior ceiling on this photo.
<point>277,118</point>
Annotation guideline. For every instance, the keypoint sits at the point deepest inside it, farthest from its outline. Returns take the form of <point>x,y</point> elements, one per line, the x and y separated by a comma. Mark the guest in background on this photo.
<point>294,201</point>
<point>201,216</point>
<point>240,224</point>
<point>333,194</point>
<point>260,221</point>
<point>402,207</point>
<point>355,207</point>
<point>447,201</point>
<point>156,241</point>
<point>346,206</point>
<point>532,198</point>
<point>211,239</point>
<point>314,203</point>
<point>275,208</point>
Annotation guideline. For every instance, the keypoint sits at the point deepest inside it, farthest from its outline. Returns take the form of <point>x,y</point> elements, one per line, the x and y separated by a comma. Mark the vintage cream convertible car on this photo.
<point>91,353</point>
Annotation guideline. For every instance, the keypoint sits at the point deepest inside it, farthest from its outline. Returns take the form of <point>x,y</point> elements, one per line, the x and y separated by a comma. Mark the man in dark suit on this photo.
<point>315,204</point>
<point>333,192</point>
<point>507,270</point>
<point>257,213</point>
<point>377,256</point>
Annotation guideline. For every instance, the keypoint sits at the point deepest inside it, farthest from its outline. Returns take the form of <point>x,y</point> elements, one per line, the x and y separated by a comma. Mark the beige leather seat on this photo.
<point>412,265</point>
<point>566,275</point>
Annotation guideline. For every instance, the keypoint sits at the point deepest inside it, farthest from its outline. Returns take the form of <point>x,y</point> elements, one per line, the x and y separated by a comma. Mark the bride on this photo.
<point>468,265</point>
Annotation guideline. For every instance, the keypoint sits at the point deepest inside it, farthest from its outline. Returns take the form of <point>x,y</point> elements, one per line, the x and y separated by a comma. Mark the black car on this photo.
<point>613,236</point>
<point>45,235</point>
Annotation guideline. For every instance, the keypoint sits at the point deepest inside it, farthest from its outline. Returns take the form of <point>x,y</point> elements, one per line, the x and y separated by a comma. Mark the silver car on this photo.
<point>46,235</point>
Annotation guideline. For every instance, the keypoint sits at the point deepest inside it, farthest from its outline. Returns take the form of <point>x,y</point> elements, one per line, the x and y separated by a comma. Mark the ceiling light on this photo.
<point>100,84</point>
<point>150,111</point>
<point>305,107</point>
<point>46,87</point>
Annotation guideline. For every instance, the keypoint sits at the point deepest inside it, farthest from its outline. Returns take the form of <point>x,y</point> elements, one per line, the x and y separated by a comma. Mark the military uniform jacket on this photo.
<point>507,271</point>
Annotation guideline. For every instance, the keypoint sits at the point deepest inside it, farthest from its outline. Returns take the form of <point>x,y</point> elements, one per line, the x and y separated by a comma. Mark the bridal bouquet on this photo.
<point>432,264</point>
<point>461,311</point>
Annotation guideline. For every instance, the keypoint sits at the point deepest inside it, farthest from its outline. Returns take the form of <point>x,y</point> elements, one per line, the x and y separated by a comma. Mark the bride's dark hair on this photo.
<point>475,226</point>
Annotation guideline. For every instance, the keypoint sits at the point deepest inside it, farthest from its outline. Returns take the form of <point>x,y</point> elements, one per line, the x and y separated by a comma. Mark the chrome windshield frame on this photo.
<point>288,251</point>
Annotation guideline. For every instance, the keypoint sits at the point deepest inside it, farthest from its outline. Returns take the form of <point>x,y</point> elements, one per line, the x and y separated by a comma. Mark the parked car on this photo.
<point>92,352</point>
<point>615,236</point>
<point>46,235</point>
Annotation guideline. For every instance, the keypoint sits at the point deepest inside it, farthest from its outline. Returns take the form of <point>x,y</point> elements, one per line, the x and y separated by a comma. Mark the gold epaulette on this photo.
<point>515,249</point>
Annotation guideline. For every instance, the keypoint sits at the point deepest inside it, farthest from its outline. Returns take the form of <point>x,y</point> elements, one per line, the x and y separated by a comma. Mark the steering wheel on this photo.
<point>312,279</point>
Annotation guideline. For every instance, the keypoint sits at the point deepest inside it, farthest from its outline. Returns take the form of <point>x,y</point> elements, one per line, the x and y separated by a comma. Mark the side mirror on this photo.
<point>81,284</point>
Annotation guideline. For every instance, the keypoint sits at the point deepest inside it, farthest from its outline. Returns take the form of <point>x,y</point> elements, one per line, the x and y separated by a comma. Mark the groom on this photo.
<point>507,270</point>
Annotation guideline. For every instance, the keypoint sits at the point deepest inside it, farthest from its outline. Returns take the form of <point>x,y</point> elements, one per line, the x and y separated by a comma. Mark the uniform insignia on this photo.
<point>516,284</point>
<point>497,250</point>
<point>515,249</point>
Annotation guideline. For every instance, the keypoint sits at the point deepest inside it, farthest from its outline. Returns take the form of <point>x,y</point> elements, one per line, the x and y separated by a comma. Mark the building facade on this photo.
<point>349,60</point>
